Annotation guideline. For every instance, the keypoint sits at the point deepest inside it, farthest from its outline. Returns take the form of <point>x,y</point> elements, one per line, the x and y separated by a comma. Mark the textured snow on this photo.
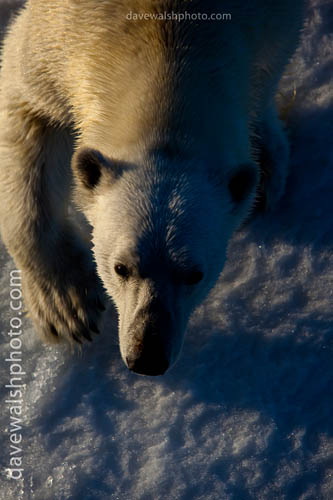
<point>247,411</point>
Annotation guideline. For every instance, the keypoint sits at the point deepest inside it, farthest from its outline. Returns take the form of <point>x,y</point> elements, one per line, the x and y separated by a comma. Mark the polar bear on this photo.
<point>157,125</point>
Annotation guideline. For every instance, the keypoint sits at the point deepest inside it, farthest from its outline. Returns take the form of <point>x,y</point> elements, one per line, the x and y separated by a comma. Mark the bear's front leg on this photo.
<point>62,292</point>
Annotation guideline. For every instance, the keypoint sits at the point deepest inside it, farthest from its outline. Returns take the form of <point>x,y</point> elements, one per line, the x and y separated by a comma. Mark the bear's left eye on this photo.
<point>122,270</point>
<point>192,277</point>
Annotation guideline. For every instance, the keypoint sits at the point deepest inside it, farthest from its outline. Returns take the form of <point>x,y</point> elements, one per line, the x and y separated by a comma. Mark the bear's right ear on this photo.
<point>88,166</point>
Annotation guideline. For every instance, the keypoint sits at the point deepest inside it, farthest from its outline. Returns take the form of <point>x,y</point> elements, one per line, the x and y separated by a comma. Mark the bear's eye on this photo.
<point>192,277</point>
<point>122,270</point>
<point>242,182</point>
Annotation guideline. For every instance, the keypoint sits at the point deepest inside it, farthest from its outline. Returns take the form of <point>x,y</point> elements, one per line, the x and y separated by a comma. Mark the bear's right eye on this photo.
<point>122,270</point>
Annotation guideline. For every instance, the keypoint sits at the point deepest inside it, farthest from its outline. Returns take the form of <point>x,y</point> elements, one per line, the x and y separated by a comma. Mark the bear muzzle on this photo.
<point>152,360</point>
<point>149,340</point>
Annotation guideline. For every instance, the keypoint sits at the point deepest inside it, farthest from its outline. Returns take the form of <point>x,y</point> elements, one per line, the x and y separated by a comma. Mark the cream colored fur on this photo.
<point>170,111</point>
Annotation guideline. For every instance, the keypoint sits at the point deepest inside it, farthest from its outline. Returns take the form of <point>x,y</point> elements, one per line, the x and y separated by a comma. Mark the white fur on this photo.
<point>173,115</point>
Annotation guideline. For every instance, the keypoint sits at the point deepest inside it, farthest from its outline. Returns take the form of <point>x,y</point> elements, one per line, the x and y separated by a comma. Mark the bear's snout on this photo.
<point>151,360</point>
<point>149,341</point>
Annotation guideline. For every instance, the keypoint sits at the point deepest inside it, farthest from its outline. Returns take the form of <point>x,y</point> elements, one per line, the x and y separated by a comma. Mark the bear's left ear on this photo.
<point>88,166</point>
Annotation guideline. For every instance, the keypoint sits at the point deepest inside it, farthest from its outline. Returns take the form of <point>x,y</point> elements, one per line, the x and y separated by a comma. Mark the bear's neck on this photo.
<point>189,100</point>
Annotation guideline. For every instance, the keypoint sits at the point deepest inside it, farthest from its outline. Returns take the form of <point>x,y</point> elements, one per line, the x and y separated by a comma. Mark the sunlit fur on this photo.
<point>173,109</point>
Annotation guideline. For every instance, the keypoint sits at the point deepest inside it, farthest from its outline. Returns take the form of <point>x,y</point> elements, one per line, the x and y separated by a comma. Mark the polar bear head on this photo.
<point>160,234</point>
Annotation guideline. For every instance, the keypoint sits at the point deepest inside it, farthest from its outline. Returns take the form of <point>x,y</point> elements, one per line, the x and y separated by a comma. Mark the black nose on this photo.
<point>149,362</point>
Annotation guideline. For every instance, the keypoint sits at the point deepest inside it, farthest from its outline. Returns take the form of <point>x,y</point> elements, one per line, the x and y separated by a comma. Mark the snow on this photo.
<point>247,411</point>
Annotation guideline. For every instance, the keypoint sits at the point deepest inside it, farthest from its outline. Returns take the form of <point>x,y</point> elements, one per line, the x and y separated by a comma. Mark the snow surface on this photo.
<point>247,411</point>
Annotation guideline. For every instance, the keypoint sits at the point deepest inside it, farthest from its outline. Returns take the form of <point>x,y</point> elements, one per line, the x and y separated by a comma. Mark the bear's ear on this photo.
<point>88,165</point>
<point>242,182</point>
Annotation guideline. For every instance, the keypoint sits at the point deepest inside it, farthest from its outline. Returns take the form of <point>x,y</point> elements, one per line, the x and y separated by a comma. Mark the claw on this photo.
<point>76,338</point>
<point>54,331</point>
<point>86,334</point>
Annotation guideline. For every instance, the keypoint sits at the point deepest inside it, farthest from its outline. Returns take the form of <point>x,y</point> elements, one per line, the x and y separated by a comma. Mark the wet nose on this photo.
<point>150,350</point>
<point>150,361</point>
